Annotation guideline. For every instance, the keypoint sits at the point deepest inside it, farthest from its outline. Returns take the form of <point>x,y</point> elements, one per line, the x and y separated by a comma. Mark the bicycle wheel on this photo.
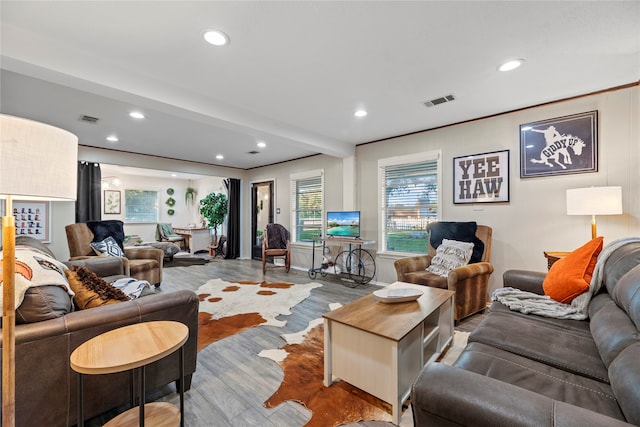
<point>341,266</point>
<point>362,266</point>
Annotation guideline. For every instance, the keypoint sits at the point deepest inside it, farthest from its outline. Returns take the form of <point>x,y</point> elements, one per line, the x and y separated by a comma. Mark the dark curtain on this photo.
<point>88,202</point>
<point>233,219</point>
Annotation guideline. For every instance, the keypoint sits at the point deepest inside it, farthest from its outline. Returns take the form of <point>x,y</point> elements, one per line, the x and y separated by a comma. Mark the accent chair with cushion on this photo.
<point>275,243</point>
<point>165,233</point>
<point>467,275</point>
<point>141,263</point>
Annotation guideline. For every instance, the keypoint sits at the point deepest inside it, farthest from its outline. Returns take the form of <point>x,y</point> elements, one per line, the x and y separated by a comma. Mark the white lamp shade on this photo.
<point>594,201</point>
<point>37,161</point>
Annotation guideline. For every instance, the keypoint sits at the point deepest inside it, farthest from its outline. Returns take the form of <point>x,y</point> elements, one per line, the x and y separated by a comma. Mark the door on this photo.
<point>262,208</point>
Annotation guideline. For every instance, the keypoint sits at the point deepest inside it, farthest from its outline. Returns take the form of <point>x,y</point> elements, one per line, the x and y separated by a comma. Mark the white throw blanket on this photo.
<point>35,268</point>
<point>542,305</point>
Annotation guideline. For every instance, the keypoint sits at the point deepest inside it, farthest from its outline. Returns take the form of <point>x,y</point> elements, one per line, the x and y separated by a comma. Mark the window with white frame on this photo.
<point>307,198</point>
<point>140,206</point>
<point>409,199</point>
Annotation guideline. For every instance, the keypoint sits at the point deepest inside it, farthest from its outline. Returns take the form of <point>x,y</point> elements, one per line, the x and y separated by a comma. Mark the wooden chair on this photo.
<point>470,282</point>
<point>275,243</point>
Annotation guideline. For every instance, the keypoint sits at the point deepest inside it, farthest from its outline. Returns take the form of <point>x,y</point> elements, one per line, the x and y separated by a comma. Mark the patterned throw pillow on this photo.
<point>107,247</point>
<point>449,255</point>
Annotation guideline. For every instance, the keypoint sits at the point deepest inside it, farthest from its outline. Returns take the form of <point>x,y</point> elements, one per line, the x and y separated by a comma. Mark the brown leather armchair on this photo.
<point>141,263</point>
<point>470,282</point>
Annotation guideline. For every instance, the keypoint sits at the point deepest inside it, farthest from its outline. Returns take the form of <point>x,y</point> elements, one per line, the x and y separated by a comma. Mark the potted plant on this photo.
<point>190,195</point>
<point>214,208</point>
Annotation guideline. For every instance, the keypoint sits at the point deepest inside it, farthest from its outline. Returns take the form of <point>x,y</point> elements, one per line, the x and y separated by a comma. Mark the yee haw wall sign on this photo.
<point>481,178</point>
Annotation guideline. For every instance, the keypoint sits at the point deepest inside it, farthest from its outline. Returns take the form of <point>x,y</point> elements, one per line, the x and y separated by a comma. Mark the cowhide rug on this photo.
<point>228,308</point>
<point>302,360</point>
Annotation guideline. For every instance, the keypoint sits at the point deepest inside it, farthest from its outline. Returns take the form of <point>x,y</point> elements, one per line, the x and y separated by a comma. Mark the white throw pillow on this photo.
<point>449,255</point>
<point>107,247</point>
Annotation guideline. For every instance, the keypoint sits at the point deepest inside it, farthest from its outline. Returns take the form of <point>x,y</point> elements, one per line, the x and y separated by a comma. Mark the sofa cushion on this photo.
<point>461,231</point>
<point>43,303</point>
<point>619,262</point>
<point>626,294</point>
<point>91,290</point>
<point>449,255</point>
<point>107,247</point>
<point>553,345</point>
<point>541,378</point>
<point>34,243</point>
<point>571,275</point>
<point>625,377</point>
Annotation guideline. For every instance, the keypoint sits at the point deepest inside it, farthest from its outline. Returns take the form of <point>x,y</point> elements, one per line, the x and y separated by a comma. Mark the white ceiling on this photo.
<point>295,72</point>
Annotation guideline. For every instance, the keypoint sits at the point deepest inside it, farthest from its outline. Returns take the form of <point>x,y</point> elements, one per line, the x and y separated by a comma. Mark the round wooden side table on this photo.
<point>129,348</point>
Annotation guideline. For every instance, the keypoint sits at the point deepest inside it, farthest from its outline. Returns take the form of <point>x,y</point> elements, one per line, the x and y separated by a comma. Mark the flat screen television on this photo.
<point>343,223</point>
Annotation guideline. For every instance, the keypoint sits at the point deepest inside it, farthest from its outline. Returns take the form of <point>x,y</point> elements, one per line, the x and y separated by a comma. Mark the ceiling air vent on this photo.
<point>438,101</point>
<point>89,119</point>
<point>252,152</point>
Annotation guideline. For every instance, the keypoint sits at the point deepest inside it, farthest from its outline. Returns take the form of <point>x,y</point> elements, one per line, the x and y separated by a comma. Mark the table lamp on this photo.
<point>37,162</point>
<point>594,201</point>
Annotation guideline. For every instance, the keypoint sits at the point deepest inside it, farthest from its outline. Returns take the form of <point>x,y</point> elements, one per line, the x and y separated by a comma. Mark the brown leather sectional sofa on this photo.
<point>46,387</point>
<point>526,370</point>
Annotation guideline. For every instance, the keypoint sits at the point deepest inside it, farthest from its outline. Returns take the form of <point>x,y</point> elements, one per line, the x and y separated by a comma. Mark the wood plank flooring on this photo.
<point>231,381</point>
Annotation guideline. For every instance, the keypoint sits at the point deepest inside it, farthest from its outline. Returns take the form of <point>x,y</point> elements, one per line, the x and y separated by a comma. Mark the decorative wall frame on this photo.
<point>560,146</point>
<point>112,201</point>
<point>33,219</point>
<point>481,178</point>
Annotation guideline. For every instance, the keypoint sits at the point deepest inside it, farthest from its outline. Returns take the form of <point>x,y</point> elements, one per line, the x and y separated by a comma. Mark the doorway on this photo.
<point>262,208</point>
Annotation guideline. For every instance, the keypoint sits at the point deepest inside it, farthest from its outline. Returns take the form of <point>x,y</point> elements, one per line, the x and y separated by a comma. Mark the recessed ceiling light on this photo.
<point>511,65</point>
<point>136,115</point>
<point>173,175</point>
<point>219,157</point>
<point>216,38</point>
<point>360,113</point>
<point>261,144</point>
<point>112,138</point>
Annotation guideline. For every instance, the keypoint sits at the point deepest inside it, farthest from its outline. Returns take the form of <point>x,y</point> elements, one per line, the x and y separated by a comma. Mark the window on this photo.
<point>409,199</point>
<point>140,206</point>
<point>306,205</point>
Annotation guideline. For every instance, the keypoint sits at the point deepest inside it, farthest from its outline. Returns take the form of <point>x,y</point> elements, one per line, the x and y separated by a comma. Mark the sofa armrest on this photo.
<point>525,280</point>
<point>445,395</point>
<point>145,253</point>
<point>407,265</point>
<point>103,266</point>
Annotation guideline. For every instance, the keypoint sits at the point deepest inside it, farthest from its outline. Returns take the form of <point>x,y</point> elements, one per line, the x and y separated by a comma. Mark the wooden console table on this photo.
<point>552,257</point>
<point>129,348</point>
<point>381,348</point>
<point>197,239</point>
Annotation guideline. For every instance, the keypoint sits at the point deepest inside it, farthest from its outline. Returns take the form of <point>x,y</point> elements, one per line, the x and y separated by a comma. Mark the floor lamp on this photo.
<point>594,201</point>
<point>37,162</point>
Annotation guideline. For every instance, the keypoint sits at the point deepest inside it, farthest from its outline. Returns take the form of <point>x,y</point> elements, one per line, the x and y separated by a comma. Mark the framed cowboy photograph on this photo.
<point>481,178</point>
<point>560,146</point>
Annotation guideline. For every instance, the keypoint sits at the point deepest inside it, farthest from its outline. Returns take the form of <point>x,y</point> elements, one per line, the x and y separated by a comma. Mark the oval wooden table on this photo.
<point>128,348</point>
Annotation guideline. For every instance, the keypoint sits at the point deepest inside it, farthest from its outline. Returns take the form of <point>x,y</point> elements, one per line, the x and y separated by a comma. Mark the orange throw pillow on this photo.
<point>571,275</point>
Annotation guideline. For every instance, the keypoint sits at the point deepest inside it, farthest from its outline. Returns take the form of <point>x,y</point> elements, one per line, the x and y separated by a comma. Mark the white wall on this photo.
<point>280,173</point>
<point>63,213</point>
<point>533,221</point>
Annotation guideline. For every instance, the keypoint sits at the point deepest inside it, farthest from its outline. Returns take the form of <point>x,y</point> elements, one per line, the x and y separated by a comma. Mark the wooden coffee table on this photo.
<point>128,348</point>
<point>381,348</point>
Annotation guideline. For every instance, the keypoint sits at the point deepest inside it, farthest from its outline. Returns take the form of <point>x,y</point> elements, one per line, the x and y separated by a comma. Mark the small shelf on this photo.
<point>157,414</point>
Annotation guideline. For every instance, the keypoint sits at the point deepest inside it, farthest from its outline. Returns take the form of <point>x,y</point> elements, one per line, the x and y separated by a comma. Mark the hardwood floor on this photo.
<point>231,381</point>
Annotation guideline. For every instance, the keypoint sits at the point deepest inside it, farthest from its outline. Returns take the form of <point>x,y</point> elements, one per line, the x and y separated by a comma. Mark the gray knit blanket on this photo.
<point>542,305</point>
